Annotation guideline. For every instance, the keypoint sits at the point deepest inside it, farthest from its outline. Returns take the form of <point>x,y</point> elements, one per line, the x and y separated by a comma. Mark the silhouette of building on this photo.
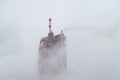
<point>52,53</point>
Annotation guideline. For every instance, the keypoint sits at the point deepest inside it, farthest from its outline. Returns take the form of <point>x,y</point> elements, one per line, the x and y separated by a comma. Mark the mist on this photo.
<point>92,31</point>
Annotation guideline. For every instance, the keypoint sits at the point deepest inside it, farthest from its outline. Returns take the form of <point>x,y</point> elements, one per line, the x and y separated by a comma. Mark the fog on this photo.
<point>92,31</point>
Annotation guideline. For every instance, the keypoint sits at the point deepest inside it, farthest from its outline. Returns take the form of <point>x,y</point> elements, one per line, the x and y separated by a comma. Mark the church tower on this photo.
<point>52,53</point>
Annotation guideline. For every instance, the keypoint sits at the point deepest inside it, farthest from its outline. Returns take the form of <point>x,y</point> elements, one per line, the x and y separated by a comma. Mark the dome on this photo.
<point>50,34</point>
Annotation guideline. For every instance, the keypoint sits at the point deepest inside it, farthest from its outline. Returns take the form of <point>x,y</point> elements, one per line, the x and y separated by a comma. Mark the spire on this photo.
<point>50,34</point>
<point>50,24</point>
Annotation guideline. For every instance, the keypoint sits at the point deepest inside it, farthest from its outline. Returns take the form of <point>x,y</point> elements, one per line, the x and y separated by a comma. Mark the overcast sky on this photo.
<point>92,30</point>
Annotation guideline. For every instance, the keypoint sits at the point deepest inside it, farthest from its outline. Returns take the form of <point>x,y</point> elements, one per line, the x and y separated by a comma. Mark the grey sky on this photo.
<point>92,39</point>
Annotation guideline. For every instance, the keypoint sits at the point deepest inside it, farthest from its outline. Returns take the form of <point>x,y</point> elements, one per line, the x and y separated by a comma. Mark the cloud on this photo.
<point>92,45</point>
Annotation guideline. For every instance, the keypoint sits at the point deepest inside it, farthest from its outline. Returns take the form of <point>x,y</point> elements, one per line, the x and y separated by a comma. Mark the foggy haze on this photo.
<point>92,31</point>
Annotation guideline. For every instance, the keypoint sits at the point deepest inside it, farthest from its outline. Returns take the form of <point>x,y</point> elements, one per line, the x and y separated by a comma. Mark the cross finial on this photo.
<point>50,19</point>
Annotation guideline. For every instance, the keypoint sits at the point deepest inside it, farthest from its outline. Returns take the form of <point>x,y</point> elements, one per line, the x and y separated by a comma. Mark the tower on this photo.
<point>52,53</point>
